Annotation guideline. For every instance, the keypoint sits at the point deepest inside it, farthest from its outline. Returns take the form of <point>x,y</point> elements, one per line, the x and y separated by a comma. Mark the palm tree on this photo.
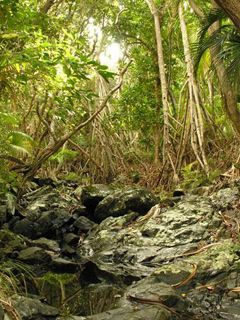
<point>226,38</point>
<point>232,9</point>
<point>223,40</point>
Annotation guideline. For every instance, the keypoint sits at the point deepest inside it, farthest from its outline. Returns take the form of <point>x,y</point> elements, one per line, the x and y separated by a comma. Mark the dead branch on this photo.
<point>81,150</point>
<point>46,153</point>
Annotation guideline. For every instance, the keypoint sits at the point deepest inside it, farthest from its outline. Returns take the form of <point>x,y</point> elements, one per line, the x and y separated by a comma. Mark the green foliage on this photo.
<point>72,176</point>
<point>227,41</point>
<point>194,178</point>
<point>8,180</point>
<point>51,80</point>
<point>21,142</point>
<point>8,119</point>
<point>46,56</point>
<point>56,278</point>
<point>64,155</point>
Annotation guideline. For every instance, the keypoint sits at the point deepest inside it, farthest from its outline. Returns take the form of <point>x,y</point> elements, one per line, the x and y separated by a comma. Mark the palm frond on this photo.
<point>209,19</point>
<point>21,143</point>
<point>215,40</point>
<point>224,43</point>
<point>230,54</point>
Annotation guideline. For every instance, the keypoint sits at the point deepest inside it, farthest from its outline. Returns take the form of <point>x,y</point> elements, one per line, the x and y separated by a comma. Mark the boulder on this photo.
<point>128,247</point>
<point>57,286</point>
<point>124,201</point>
<point>47,224</point>
<point>71,239</point>
<point>63,265</point>
<point>147,299</point>
<point>47,244</point>
<point>83,224</point>
<point>90,196</point>
<point>179,261</point>
<point>34,255</point>
<point>10,244</point>
<point>33,309</point>
<point>132,313</point>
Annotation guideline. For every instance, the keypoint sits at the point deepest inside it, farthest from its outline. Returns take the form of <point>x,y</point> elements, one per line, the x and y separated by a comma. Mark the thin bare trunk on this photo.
<point>47,6</point>
<point>163,79</point>
<point>46,153</point>
<point>197,137</point>
<point>157,129</point>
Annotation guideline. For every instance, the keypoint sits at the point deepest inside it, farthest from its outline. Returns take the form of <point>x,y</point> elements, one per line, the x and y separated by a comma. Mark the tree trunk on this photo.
<point>163,79</point>
<point>157,129</point>
<point>197,139</point>
<point>229,97</point>
<point>31,169</point>
<point>232,9</point>
<point>47,6</point>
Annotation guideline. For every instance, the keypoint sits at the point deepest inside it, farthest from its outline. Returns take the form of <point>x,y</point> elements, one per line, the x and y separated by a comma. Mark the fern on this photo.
<point>21,143</point>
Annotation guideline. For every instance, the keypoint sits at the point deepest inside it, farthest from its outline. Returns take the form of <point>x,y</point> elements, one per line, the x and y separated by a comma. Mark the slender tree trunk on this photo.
<point>47,6</point>
<point>157,131</point>
<point>229,97</point>
<point>197,139</point>
<point>30,170</point>
<point>163,79</point>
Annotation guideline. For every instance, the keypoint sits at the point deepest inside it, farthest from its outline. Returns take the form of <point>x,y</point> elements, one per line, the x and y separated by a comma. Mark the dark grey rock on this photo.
<point>91,195</point>
<point>79,210</point>
<point>129,248</point>
<point>10,244</point>
<point>132,313</point>
<point>84,224</point>
<point>34,255</point>
<point>225,197</point>
<point>173,256</point>
<point>33,309</point>
<point>46,224</point>
<point>1,312</point>
<point>68,250</point>
<point>51,221</point>
<point>152,289</point>
<point>26,227</point>
<point>230,310</point>
<point>63,265</point>
<point>71,238</point>
<point>124,201</point>
<point>97,298</point>
<point>3,214</point>
<point>47,244</point>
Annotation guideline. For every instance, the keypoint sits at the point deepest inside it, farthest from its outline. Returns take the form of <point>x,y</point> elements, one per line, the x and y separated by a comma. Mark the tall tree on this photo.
<point>229,97</point>
<point>197,137</point>
<point>232,9</point>
<point>162,75</point>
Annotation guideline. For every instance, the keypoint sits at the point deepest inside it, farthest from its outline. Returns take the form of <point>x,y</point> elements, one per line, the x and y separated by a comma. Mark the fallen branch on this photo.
<point>150,301</point>
<point>86,154</point>
<point>12,159</point>
<point>31,169</point>
<point>12,313</point>
<point>185,281</point>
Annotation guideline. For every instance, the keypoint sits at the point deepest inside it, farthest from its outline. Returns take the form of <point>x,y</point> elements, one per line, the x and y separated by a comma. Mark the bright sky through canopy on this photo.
<point>111,56</point>
<point>112,53</point>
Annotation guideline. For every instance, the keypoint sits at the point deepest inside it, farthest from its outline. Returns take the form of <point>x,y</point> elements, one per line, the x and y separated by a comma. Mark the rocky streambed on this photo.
<point>97,252</point>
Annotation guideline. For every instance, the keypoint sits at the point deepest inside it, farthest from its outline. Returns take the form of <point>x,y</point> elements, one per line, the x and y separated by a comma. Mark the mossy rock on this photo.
<point>56,288</point>
<point>96,298</point>
<point>10,243</point>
